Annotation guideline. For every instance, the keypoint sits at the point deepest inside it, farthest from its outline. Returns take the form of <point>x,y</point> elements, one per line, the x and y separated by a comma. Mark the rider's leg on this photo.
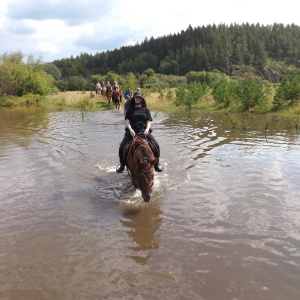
<point>158,167</point>
<point>127,138</point>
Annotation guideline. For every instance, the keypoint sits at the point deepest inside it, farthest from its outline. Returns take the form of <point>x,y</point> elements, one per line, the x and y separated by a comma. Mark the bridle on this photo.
<point>145,173</point>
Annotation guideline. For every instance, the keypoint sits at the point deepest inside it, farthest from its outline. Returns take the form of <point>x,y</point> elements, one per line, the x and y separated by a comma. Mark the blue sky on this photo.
<point>55,29</point>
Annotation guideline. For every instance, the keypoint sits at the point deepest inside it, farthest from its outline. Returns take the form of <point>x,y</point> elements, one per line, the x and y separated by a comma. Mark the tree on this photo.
<point>224,92</point>
<point>149,72</point>
<point>289,89</point>
<point>251,94</point>
<point>53,70</point>
<point>18,78</point>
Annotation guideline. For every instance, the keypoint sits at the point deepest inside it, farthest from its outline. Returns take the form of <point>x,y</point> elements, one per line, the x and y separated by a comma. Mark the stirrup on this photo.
<point>158,167</point>
<point>120,168</point>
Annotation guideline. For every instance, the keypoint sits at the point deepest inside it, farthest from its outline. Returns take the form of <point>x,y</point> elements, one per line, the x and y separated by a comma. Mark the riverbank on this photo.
<point>162,100</point>
<point>90,101</point>
<point>156,101</point>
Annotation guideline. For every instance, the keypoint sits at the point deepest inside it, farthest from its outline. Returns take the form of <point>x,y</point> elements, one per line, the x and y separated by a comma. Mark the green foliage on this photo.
<point>142,80</point>
<point>223,92</point>
<point>149,72</point>
<point>25,100</point>
<point>18,78</point>
<point>209,78</point>
<point>268,51</point>
<point>112,77</point>
<point>251,94</point>
<point>296,123</point>
<point>93,80</point>
<point>77,83</point>
<point>130,80</point>
<point>31,99</point>
<point>86,104</point>
<point>170,95</point>
<point>289,89</point>
<point>53,70</point>
<point>237,124</point>
<point>196,77</point>
<point>189,95</point>
<point>167,66</point>
<point>161,93</point>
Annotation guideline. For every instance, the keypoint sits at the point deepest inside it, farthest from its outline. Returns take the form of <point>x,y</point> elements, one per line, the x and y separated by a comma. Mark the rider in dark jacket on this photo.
<point>138,118</point>
<point>128,94</point>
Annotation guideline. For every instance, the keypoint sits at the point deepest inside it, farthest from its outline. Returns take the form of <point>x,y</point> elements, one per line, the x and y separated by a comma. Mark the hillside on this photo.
<point>269,52</point>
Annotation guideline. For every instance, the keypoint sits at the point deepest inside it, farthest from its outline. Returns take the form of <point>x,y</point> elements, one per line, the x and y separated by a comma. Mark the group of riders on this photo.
<point>111,92</point>
<point>106,86</point>
<point>137,121</point>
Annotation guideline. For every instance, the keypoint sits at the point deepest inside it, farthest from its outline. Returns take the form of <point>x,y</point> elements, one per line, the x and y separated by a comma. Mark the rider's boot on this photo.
<point>158,167</point>
<point>120,168</point>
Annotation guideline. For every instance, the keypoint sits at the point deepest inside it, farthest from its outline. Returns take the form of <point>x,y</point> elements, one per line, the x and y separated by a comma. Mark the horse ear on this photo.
<point>153,161</point>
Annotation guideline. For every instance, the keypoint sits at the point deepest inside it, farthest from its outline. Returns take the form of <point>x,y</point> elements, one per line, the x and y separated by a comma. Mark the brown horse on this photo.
<point>140,163</point>
<point>103,92</point>
<point>108,93</point>
<point>117,98</point>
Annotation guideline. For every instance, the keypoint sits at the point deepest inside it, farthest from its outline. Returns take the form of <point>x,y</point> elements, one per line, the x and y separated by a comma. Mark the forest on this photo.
<point>240,67</point>
<point>270,52</point>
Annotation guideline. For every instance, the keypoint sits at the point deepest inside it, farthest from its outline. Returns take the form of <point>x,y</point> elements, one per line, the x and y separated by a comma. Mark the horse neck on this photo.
<point>141,142</point>
<point>136,142</point>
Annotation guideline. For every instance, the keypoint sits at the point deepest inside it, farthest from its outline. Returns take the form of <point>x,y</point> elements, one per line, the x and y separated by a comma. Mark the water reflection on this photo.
<point>225,213</point>
<point>142,228</point>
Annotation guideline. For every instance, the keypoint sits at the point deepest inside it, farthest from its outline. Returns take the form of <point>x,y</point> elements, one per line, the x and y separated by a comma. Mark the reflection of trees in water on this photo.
<point>21,123</point>
<point>142,229</point>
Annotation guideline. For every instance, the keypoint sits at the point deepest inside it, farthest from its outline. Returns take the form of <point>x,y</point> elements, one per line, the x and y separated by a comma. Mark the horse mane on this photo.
<point>140,163</point>
<point>143,152</point>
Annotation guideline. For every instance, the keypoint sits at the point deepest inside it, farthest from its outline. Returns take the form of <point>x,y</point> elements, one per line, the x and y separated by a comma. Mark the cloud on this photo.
<point>72,13</point>
<point>55,29</point>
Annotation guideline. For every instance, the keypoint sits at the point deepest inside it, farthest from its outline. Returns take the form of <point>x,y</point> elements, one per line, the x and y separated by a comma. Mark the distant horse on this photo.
<point>140,162</point>
<point>103,93</point>
<point>108,93</point>
<point>98,91</point>
<point>117,98</point>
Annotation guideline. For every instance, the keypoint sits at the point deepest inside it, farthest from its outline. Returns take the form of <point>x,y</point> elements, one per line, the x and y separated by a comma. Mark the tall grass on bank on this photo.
<point>162,99</point>
<point>78,100</point>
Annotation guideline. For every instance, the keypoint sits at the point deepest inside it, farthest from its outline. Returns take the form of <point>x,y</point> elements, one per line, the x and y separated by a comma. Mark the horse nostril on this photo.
<point>146,198</point>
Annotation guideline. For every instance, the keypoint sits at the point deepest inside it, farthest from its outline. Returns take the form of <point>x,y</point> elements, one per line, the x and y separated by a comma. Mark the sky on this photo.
<point>56,29</point>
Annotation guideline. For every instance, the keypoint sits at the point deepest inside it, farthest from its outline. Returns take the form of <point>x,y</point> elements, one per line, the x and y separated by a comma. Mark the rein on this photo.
<point>132,144</point>
<point>140,170</point>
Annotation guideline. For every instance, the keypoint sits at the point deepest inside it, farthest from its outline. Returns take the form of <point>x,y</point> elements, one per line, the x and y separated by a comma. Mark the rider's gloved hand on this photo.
<point>132,132</point>
<point>146,131</point>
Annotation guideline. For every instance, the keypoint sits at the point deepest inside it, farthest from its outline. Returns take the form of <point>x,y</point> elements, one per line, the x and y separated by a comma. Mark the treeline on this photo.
<point>270,52</point>
<point>238,95</point>
<point>19,77</point>
<point>27,83</point>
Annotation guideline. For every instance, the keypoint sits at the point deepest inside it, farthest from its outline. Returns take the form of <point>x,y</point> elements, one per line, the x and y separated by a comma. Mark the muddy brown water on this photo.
<point>223,221</point>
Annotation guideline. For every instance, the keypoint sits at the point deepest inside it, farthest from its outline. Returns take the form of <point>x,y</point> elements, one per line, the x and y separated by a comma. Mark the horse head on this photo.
<point>141,165</point>
<point>146,175</point>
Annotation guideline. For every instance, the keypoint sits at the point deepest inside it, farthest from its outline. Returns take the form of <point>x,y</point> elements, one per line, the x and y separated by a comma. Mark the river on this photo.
<point>223,221</point>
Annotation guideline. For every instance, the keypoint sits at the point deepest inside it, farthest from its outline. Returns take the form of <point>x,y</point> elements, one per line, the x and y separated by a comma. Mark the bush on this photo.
<point>289,89</point>
<point>18,78</point>
<point>224,92</point>
<point>251,94</point>
<point>190,95</point>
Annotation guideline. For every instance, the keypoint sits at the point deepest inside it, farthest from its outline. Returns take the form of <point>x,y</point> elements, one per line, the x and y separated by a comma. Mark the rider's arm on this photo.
<point>132,132</point>
<point>148,125</point>
<point>127,123</point>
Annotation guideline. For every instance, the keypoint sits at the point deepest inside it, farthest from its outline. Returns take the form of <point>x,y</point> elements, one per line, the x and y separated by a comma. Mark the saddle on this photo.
<point>151,145</point>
